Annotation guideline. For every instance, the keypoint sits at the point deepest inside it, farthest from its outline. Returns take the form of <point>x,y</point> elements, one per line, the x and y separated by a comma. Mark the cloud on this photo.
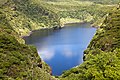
<point>46,54</point>
<point>67,52</point>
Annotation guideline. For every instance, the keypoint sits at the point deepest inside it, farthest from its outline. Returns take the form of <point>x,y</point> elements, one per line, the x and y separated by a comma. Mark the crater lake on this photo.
<point>62,49</point>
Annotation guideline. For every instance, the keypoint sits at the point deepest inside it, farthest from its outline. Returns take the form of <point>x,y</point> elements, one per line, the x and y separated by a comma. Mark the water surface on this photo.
<point>62,49</point>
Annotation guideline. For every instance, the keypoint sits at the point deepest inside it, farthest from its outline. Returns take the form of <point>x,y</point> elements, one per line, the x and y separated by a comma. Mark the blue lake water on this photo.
<point>62,49</point>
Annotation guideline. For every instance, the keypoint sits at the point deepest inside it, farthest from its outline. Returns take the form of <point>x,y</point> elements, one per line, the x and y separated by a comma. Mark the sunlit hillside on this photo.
<point>18,18</point>
<point>77,10</point>
<point>102,57</point>
<point>25,16</point>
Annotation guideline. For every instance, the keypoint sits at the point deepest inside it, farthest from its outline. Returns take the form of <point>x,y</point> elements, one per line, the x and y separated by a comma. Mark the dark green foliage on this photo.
<point>25,16</point>
<point>107,37</point>
<point>37,12</point>
<point>22,62</point>
<point>103,1</point>
<point>85,11</point>
<point>102,57</point>
<point>100,67</point>
<point>19,60</point>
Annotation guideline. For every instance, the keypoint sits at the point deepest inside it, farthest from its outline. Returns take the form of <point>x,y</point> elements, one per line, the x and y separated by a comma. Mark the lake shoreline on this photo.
<point>57,28</point>
<point>62,26</point>
<point>65,42</point>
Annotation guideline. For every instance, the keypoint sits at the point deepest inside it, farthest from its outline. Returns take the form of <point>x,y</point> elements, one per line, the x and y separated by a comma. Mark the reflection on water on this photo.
<point>46,54</point>
<point>62,49</point>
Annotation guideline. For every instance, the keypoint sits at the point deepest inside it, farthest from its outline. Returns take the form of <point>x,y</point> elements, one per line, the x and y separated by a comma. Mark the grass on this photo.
<point>85,11</point>
<point>102,57</point>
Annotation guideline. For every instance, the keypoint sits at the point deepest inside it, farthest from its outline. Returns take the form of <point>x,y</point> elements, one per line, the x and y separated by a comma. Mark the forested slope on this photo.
<point>22,62</point>
<point>102,57</point>
<point>79,10</point>
<point>104,1</point>
<point>25,15</point>
<point>19,61</point>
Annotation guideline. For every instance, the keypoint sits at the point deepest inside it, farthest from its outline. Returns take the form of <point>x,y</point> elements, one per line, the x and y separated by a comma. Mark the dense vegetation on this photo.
<point>19,61</point>
<point>22,62</point>
<point>102,57</point>
<point>104,1</point>
<point>78,10</point>
<point>25,15</point>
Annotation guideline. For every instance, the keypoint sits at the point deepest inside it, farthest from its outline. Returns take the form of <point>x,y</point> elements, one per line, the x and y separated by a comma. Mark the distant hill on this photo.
<point>18,18</point>
<point>78,10</point>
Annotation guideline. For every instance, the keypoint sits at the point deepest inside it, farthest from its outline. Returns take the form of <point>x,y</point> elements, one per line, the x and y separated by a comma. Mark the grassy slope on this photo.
<point>102,57</point>
<point>17,60</point>
<point>25,15</point>
<point>104,1</point>
<point>79,11</point>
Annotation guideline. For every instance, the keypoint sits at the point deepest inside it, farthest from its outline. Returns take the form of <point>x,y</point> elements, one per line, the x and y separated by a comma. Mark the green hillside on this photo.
<point>19,61</point>
<point>78,10</point>
<point>104,1</point>
<point>102,57</point>
<point>24,16</point>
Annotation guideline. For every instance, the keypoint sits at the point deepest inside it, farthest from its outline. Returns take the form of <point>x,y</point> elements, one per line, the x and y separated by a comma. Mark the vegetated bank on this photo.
<point>20,61</point>
<point>72,11</point>
<point>102,57</point>
<point>25,16</point>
